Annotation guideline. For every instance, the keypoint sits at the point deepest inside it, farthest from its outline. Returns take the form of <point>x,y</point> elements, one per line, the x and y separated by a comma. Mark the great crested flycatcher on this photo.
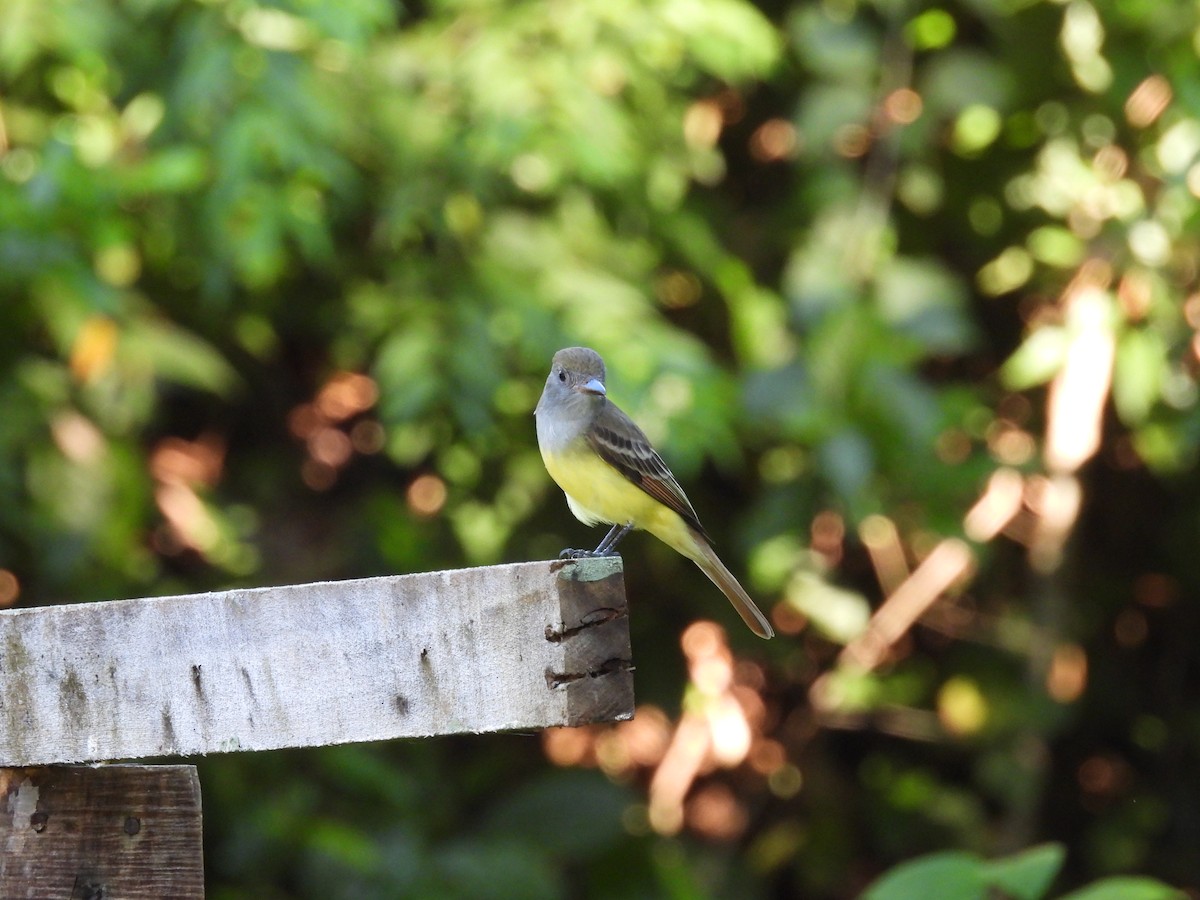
<point>610,473</point>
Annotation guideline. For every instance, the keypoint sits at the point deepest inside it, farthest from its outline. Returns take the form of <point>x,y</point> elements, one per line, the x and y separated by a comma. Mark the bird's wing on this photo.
<point>620,443</point>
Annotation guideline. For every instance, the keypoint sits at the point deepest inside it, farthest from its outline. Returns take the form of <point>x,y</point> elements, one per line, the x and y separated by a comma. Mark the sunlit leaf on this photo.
<point>172,354</point>
<point>840,614</point>
<point>1056,246</point>
<point>1139,369</point>
<point>1038,359</point>
<point>733,40</point>
<point>173,170</point>
<point>931,30</point>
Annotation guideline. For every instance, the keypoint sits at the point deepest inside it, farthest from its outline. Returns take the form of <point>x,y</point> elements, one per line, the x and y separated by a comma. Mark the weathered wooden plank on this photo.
<point>79,832</point>
<point>520,646</point>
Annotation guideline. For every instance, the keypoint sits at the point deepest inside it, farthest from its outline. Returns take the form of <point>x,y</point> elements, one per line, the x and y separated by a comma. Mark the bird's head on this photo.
<point>576,379</point>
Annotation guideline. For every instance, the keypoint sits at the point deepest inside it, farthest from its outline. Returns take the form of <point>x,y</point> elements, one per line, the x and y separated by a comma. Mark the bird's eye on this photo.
<point>562,376</point>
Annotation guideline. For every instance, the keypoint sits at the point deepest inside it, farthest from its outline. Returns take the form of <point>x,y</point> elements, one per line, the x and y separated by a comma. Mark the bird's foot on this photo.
<point>608,546</point>
<point>585,554</point>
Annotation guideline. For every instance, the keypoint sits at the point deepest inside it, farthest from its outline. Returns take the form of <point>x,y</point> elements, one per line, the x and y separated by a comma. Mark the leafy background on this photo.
<point>905,293</point>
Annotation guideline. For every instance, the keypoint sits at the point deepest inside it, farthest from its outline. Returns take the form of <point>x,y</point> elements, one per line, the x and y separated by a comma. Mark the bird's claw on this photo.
<point>608,546</point>
<point>579,554</point>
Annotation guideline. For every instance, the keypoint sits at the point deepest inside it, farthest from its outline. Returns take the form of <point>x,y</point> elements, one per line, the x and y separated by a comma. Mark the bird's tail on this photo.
<point>706,558</point>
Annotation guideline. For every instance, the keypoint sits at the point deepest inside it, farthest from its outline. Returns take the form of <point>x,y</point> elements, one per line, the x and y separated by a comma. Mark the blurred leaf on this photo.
<point>848,461</point>
<point>837,48</point>
<point>960,77</point>
<point>503,870</point>
<point>923,299</point>
<point>963,876</point>
<point>839,614</point>
<point>951,874</point>
<point>731,39</point>
<point>828,108</point>
<point>173,170</point>
<point>1038,359</point>
<point>1126,888</point>
<point>571,814</point>
<point>1026,875</point>
<point>931,30</point>
<point>1056,246</point>
<point>1139,370</point>
<point>902,401</point>
<point>168,352</point>
<point>407,372</point>
<point>783,397</point>
<point>343,845</point>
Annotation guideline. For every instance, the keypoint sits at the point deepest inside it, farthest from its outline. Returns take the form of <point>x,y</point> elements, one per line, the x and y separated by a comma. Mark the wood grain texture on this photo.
<point>521,646</point>
<point>86,833</point>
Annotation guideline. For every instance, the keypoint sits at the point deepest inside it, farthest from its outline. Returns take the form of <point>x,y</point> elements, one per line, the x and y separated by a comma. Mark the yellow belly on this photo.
<point>596,492</point>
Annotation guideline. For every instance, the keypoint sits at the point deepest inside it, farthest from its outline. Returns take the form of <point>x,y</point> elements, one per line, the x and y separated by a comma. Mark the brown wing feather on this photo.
<point>621,444</point>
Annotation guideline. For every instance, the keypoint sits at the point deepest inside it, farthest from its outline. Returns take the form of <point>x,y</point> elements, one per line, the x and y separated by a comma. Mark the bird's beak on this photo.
<point>592,387</point>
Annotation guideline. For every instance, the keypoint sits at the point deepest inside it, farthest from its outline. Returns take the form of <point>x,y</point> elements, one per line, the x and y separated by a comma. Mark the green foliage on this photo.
<point>1025,876</point>
<point>279,284</point>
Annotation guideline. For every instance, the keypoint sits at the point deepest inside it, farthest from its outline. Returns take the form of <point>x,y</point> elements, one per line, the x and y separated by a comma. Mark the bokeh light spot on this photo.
<point>426,495</point>
<point>10,588</point>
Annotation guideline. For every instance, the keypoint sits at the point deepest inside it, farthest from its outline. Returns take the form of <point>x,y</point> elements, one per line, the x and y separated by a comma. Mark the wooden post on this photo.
<point>522,646</point>
<point>519,646</point>
<point>84,833</point>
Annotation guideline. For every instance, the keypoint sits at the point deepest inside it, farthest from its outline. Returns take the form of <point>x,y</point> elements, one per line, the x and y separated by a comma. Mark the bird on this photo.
<point>611,474</point>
